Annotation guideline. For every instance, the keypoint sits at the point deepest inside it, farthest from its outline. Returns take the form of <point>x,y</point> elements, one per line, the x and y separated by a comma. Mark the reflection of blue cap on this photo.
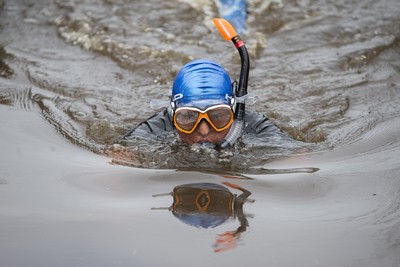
<point>202,220</point>
<point>202,83</point>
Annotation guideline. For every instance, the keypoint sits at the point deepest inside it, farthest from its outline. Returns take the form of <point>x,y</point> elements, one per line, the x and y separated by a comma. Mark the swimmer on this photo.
<point>201,110</point>
<point>206,106</point>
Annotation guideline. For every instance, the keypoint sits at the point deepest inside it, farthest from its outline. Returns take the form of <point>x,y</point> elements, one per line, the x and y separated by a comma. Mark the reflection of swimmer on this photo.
<point>208,205</point>
<point>206,107</point>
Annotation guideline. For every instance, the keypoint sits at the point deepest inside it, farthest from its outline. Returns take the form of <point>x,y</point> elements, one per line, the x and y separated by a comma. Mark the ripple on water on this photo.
<point>3,180</point>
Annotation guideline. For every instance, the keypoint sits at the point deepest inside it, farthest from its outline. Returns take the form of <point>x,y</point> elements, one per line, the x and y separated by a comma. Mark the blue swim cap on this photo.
<point>202,83</point>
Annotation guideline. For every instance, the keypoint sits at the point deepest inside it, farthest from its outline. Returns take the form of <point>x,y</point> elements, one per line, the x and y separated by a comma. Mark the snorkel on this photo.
<point>228,33</point>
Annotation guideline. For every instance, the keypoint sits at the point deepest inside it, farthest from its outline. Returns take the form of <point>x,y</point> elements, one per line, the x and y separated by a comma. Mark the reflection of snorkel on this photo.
<point>229,33</point>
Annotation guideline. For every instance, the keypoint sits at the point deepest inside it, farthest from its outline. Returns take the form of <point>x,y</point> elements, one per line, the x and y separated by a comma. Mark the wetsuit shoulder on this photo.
<point>153,126</point>
<point>259,124</point>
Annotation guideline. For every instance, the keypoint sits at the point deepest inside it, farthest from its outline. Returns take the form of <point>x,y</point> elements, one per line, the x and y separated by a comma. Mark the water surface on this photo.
<point>76,75</point>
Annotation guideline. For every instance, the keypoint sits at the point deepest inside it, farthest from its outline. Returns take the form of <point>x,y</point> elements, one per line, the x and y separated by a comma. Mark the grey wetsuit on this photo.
<point>255,123</point>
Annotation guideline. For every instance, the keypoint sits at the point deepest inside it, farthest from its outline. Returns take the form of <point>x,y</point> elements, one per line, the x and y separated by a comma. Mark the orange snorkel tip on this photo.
<point>225,28</point>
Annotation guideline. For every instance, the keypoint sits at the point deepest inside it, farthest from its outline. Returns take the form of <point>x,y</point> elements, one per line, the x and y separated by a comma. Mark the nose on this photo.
<point>203,128</point>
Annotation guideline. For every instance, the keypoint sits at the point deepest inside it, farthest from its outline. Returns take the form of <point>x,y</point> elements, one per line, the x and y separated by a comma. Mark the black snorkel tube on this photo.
<point>228,33</point>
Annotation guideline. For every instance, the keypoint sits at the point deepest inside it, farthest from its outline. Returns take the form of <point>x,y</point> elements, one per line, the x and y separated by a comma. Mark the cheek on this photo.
<point>221,135</point>
<point>188,138</point>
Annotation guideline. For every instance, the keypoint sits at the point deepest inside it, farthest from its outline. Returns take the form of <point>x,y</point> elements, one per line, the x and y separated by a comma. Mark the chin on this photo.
<point>207,144</point>
<point>209,141</point>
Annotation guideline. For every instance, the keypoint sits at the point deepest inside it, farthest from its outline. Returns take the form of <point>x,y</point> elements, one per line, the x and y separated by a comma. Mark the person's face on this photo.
<point>203,133</point>
<point>203,126</point>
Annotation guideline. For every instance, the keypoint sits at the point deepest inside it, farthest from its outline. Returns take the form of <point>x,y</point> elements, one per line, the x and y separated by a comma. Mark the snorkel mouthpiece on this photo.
<point>228,33</point>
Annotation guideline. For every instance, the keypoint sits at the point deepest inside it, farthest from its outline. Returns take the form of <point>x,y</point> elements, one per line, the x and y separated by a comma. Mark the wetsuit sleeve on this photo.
<point>260,125</point>
<point>152,127</point>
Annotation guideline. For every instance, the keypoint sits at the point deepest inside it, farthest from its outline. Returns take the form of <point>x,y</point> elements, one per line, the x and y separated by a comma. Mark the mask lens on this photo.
<point>220,117</point>
<point>186,119</point>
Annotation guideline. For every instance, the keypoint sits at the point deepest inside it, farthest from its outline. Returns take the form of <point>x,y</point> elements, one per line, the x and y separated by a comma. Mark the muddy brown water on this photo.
<point>76,75</point>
